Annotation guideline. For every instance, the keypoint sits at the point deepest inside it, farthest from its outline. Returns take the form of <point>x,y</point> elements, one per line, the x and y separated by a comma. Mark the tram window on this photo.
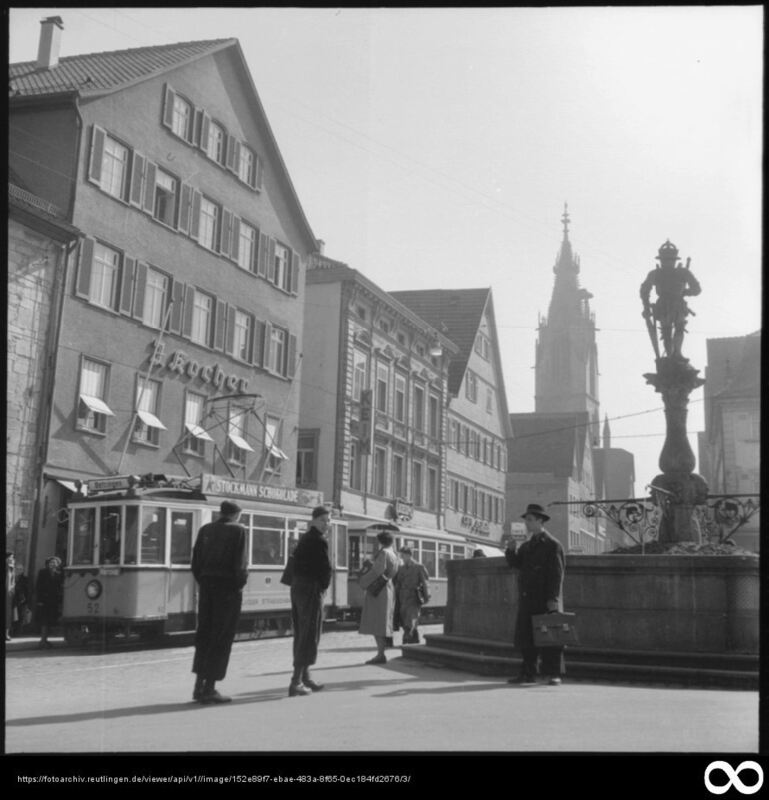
<point>340,532</point>
<point>428,558</point>
<point>153,535</point>
<point>109,534</point>
<point>444,555</point>
<point>131,547</point>
<point>83,530</point>
<point>181,537</point>
<point>458,551</point>
<point>354,558</point>
<point>267,540</point>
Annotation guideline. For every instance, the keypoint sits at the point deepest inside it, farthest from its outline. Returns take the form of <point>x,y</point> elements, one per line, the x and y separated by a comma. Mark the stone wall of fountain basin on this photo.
<point>656,603</point>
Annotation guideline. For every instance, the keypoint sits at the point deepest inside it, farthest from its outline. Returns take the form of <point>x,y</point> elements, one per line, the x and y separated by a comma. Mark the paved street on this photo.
<point>62,701</point>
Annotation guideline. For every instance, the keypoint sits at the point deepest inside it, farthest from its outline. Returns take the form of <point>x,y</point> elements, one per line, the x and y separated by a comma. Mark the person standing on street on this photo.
<point>312,576</point>
<point>540,560</point>
<point>220,566</point>
<point>10,592</point>
<point>376,617</point>
<point>49,595</point>
<point>412,592</point>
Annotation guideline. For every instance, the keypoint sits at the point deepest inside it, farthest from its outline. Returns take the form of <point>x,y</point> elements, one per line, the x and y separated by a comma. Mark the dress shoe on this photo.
<point>377,660</point>
<point>298,690</point>
<point>310,684</point>
<point>555,681</point>
<point>208,698</point>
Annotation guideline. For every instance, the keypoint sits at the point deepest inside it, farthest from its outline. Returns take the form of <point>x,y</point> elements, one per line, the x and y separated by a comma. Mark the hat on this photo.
<point>537,510</point>
<point>229,509</point>
<point>319,511</point>
<point>405,550</point>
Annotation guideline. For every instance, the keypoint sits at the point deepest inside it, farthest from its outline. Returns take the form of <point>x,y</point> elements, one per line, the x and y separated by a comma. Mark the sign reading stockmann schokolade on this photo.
<point>230,487</point>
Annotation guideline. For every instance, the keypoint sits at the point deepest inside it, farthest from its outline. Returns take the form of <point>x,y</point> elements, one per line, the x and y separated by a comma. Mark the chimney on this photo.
<point>50,41</point>
<point>321,246</point>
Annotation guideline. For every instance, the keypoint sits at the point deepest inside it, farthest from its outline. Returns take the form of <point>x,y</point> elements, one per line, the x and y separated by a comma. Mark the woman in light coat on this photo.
<point>376,617</point>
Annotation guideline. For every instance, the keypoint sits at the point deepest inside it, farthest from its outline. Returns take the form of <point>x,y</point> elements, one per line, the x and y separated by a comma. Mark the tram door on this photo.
<point>339,564</point>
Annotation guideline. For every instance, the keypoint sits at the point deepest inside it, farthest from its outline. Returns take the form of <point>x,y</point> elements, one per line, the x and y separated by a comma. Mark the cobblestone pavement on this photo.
<point>65,701</point>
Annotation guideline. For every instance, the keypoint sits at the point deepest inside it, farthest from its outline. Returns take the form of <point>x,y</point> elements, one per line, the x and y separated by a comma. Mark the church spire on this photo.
<point>566,263</point>
<point>606,432</point>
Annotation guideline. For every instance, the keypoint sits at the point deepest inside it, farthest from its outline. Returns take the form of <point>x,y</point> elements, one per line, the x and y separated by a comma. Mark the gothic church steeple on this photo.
<point>566,354</point>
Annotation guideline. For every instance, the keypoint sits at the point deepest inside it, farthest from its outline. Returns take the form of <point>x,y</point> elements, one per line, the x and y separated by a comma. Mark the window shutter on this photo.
<point>83,285</point>
<point>141,287</point>
<point>257,350</point>
<point>266,359</point>
<point>127,286</point>
<point>294,272</point>
<point>149,187</point>
<point>189,307</point>
<point>205,123</point>
<point>291,356</point>
<point>97,153</point>
<point>137,179</point>
<point>195,214</point>
<point>221,323</point>
<point>271,262</point>
<point>264,247</point>
<point>168,106</point>
<point>259,169</point>
<point>226,243</point>
<point>184,208</point>
<point>230,339</point>
<point>177,300</point>
<point>232,144</point>
<point>235,238</point>
<point>197,121</point>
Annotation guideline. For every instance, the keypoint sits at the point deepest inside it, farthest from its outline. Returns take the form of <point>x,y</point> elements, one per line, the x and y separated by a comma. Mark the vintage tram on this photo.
<point>130,546</point>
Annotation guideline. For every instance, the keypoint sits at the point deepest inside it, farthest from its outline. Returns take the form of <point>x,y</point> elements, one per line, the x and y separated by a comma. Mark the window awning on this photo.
<point>97,405</point>
<point>278,453</point>
<point>240,442</point>
<point>198,432</point>
<point>151,420</point>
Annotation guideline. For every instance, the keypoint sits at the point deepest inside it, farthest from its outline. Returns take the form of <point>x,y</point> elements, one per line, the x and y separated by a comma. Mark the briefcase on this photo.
<point>554,630</point>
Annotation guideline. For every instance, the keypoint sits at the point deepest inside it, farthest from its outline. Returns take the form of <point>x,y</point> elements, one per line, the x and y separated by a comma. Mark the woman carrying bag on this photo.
<point>376,617</point>
<point>412,587</point>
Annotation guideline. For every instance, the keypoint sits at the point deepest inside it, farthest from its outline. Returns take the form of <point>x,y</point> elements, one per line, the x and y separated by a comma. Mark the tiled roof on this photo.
<point>549,443</point>
<point>97,73</point>
<point>456,313</point>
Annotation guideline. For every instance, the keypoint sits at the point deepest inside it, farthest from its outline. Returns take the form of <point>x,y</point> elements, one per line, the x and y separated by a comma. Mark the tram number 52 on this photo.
<point>92,607</point>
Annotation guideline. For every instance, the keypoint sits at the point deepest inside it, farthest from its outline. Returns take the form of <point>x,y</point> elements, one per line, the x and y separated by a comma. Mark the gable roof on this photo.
<point>97,74</point>
<point>94,74</point>
<point>457,314</point>
<point>547,442</point>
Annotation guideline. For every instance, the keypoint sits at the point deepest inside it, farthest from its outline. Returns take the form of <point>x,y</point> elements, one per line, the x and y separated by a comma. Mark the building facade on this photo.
<point>373,410</point>
<point>39,245</point>
<point>181,324</point>
<point>730,445</point>
<point>477,429</point>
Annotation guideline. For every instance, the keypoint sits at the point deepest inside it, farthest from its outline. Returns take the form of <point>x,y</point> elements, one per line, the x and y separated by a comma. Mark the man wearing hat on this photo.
<point>540,583</point>
<point>220,566</point>
<point>311,578</point>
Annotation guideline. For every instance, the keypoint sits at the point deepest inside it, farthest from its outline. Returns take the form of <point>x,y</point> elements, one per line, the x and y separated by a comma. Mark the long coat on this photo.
<point>376,618</point>
<point>49,590</point>
<point>312,576</point>
<point>541,564</point>
<point>409,577</point>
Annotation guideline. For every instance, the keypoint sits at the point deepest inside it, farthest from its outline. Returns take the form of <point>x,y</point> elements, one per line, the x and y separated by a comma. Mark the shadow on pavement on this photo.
<point>108,714</point>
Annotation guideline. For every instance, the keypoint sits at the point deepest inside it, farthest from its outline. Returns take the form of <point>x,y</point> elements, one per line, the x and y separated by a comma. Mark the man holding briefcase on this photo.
<point>540,582</point>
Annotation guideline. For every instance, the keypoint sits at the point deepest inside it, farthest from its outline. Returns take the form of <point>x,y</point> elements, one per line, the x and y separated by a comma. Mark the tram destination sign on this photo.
<point>230,487</point>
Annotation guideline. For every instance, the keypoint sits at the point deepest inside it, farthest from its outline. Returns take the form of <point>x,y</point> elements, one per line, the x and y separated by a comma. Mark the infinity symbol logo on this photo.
<point>733,775</point>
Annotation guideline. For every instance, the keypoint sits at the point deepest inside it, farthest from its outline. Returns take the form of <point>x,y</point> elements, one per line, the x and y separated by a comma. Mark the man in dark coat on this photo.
<point>312,576</point>
<point>220,566</point>
<point>540,582</point>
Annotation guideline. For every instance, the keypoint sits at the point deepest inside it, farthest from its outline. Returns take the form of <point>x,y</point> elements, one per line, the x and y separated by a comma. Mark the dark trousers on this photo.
<point>218,612</point>
<point>306,619</point>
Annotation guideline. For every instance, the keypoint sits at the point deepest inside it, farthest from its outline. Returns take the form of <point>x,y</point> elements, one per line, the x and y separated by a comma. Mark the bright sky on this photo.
<point>436,148</point>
